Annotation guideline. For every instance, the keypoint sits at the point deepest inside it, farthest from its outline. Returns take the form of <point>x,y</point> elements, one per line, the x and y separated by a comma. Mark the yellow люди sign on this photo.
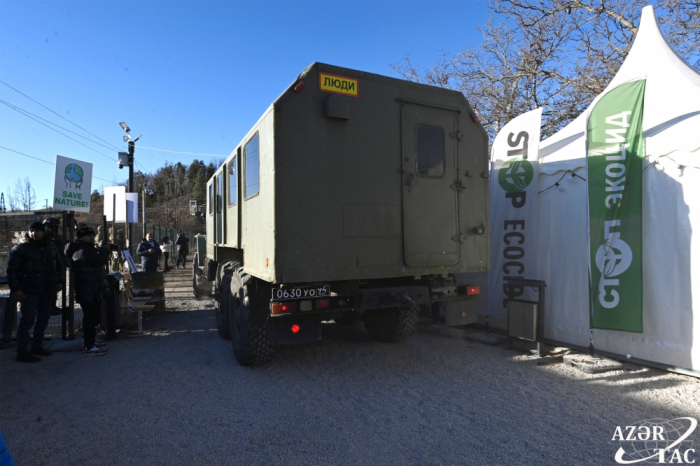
<point>338,84</point>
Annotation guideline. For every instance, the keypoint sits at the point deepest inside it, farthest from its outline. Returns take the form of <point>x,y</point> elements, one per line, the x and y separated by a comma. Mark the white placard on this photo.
<point>120,214</point>
<point>132,207</point>
<point>127,204</point>
<point>72,185</point>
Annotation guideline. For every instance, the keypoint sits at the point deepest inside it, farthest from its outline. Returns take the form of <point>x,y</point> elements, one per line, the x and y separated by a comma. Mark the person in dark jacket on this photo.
<point>183,248</point>
<point>91,284</point>
<point>51,225</point>
<point>33,272</point>
<point>149,250</point>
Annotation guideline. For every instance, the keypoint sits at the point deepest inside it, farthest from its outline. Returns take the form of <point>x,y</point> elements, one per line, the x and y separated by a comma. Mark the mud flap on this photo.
<point>279,331</point>
<point>461,312</point>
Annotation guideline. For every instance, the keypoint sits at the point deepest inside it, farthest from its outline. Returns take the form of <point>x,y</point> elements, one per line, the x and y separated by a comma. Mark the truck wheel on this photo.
<point>200,286</point>
<point>394,323</point>
<point>249,339</point>
<point>223,311</point>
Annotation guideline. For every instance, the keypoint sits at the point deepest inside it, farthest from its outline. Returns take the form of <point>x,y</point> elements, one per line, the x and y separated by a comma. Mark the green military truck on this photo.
<point>355,197</point>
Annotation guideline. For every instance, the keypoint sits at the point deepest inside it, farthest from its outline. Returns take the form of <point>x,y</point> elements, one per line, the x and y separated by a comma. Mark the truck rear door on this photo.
<point>430,219</point>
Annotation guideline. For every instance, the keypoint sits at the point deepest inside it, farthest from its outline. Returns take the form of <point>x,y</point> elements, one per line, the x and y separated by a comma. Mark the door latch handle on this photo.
<point>410,179</point>
<point>459,238</point>
<point>458,186</point>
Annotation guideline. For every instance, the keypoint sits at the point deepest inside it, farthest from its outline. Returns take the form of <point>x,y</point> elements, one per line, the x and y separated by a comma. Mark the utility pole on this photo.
<point>131,190</point>
<point>132,146</point>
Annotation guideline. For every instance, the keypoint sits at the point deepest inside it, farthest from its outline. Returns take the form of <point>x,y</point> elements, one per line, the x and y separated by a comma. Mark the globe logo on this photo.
<point>515,175</point>
<point>74,175</point>
<point>668,441</point>
<point>613,257</point>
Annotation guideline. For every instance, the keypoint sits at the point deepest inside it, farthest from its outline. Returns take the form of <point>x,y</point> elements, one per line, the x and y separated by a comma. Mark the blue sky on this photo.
<point>193,76</point>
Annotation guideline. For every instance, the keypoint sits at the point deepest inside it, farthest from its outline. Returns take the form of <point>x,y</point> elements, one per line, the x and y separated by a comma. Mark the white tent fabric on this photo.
<point>671,206</point>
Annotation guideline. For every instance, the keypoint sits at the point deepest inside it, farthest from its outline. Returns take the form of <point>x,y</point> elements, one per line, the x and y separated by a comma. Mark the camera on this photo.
<point>110,246</point>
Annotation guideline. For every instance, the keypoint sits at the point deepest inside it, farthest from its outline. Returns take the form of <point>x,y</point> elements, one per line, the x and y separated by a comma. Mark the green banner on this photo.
<point>615,151</point>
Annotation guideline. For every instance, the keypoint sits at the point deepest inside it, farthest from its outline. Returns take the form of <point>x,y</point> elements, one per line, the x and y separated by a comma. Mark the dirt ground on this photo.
<point>443,396</point>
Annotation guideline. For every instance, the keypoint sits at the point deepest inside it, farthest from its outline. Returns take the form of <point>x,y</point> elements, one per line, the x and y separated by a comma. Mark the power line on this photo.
<point>45,161</point>
<point>60,116</point>
<point>64,135</point>
<point>185,153</point>
<point>21,110</point>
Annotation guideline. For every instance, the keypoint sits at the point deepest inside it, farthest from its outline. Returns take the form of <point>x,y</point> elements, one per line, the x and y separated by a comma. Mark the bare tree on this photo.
<point>24,195</point>
<point>558,54</point>
<point>11,200</point>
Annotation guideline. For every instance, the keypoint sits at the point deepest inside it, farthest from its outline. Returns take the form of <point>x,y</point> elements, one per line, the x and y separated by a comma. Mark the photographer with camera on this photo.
<point>90,283</point>
<point>33,272</point>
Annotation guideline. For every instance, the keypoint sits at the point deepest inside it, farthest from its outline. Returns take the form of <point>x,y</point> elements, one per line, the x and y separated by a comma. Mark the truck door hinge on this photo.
<point>459,238</point>
<point>484,174</point>
<point>467,173</point>
<point>457,135</point>
<point>458,186</point>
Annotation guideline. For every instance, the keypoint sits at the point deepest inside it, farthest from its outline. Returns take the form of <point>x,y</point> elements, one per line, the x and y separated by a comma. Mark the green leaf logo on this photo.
<point>515,175</point>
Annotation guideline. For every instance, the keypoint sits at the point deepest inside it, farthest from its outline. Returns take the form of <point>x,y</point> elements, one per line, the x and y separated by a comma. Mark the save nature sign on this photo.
<point>615,152</point>
<point>73,185</point>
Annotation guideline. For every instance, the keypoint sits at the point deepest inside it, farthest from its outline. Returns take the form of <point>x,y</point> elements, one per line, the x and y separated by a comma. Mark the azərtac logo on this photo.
<point>657,441</point>
<point>515,175</point>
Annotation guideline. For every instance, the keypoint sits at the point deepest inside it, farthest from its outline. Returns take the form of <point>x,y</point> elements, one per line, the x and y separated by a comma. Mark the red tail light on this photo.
<point>472,290</point>
<point>284,308</point>
<point>323,304</point>
<point>299,86</point>
<point>295,328</point>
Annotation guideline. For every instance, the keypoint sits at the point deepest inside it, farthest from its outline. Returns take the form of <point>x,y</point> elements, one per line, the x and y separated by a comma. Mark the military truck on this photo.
<point>355,197</point>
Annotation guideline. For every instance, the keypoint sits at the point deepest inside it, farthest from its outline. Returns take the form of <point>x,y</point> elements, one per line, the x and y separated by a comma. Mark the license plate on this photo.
<point>301,292</point>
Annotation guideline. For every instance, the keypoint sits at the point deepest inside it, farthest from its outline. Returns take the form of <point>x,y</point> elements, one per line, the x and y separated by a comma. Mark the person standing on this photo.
<point>149,250</point>
<point>90,284</point>
<point>166,246</point>
<point>51,225</point>
<point>183,248</point>
<point>33,275</point>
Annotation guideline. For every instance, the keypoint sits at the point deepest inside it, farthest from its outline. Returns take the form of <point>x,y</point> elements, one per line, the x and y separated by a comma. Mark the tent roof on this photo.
<point>671,104</point>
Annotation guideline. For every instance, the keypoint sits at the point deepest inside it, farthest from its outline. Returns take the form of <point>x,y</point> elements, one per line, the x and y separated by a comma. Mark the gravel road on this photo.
<point>177,396</point>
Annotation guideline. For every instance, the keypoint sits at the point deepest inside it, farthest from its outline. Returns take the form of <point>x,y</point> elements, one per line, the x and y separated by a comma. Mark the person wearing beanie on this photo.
<point>91,284</point>
<point>33,272</point>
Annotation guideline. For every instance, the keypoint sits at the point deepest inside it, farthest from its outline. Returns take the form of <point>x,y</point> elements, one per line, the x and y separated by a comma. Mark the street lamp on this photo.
<point>130,161</point>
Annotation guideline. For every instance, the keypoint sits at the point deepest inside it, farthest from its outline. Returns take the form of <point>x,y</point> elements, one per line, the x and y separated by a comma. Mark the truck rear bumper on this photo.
<point>291,330</point>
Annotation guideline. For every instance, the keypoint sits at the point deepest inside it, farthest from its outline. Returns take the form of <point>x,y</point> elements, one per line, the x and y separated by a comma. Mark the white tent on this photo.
<point>671,214</point>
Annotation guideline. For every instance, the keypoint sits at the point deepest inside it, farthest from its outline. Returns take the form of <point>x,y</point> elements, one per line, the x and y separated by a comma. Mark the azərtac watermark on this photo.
<point>656,441</point>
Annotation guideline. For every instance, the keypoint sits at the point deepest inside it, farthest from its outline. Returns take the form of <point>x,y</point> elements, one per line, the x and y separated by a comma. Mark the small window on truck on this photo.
<point>220,192</point>
<point>252,167</point>
<point>210,200</point>
<point>232,183</point>
<point>430,151</point>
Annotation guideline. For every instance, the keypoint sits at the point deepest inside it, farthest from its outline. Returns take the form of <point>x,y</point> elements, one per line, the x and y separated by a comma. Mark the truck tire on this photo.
<point>223,310</point>
<point>200,286</point>
<point>394,323</point>
<point>248,337</point>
